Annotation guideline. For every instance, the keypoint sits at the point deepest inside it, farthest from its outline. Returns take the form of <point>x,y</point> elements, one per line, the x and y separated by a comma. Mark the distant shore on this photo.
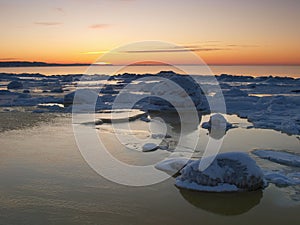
<point>38,64</point>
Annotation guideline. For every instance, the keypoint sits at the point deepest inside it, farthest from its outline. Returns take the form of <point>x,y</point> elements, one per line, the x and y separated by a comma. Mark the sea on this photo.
<point>261,70</point>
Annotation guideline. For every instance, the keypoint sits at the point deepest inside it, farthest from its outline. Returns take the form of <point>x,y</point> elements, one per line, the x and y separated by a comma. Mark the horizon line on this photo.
<point>154,64</point>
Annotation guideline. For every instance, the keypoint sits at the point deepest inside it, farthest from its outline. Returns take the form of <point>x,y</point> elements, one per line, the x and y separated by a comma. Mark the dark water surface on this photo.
<point>44,180</point>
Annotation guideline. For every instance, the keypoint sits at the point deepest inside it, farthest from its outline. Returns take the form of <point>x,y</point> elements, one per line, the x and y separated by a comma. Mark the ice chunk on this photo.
<point>148,147</point>
<point>84,96</point>
<point>51,107</point>
<point>15,85</point>
<point>163,147</point>
<point>198,187</point>
<point>217,126</point>
<point>281,157</point>
<point>173,165</point>
<point>119,115</point>
<point>282,180</point>
<point>217,121</point>
<point>289,127</point>
<point>145,118</point>
<point>233,171</point>
<point>165,90</point>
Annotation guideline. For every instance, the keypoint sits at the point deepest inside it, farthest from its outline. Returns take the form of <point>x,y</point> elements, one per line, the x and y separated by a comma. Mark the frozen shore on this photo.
<point>267,102</point>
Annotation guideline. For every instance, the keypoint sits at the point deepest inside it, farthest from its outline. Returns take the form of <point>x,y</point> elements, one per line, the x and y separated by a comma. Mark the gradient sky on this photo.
<point>221,32</point>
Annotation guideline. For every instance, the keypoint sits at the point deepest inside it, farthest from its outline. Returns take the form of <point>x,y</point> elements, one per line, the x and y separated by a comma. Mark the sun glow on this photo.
<point>219,32</point>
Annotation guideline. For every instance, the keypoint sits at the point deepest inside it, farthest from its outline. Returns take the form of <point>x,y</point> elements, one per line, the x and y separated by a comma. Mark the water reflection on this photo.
<point>183,129</point>
<point>174,122</point>
<point>223,203</point>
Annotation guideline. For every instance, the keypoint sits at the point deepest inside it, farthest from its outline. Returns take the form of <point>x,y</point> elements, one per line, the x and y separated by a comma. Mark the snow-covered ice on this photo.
<point>281,157</point>
<point>233,171</point>
<point>287,174</point>
<point>149,147</point>
<point>206,188</point>
<point>267,102</point>
<point>217,126</point>
<point>15,85</point>
<point>217,122</point>
<point>178,88</point>
<point>282,179</point>
<point>173,165</point>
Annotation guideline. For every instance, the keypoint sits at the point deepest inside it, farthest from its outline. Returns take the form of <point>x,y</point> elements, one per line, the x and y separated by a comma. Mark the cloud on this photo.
<point>99,26</point>
<point>243,46</point>
<point>183,48</point>
<point>220,45</point>
<point>167,50</point>
<point>176,49</point>
<point>48,23</point>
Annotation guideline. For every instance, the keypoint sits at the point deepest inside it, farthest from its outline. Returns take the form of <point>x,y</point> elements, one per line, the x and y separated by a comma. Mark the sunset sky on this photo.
<point>220,32</point>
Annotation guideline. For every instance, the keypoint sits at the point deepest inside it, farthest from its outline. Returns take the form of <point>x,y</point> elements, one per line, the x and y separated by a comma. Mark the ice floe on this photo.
<point>173,165</point>
<point>288,174</point>
<point>166,89</point>
<point>15,85</point>
<point>217,122</point>
<point>217,126</point>
<point>267,102</point>
<point>281,157</point>
<point>228,172</point>
<point>149,147</point>
<point>282,179</point>
<point>119,115</point>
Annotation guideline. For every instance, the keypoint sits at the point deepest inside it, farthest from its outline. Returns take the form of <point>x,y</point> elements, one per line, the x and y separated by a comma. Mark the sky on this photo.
<point>220,32</point>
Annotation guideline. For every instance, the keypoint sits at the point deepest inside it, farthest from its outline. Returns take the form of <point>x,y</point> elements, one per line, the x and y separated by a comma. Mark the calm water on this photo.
<point>44,180</point>
<point>291,71</point>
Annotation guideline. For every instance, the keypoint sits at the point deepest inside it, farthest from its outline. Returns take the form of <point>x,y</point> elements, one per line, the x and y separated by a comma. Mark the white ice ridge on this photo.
<point>233,171</point>
<point>281,157</point>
